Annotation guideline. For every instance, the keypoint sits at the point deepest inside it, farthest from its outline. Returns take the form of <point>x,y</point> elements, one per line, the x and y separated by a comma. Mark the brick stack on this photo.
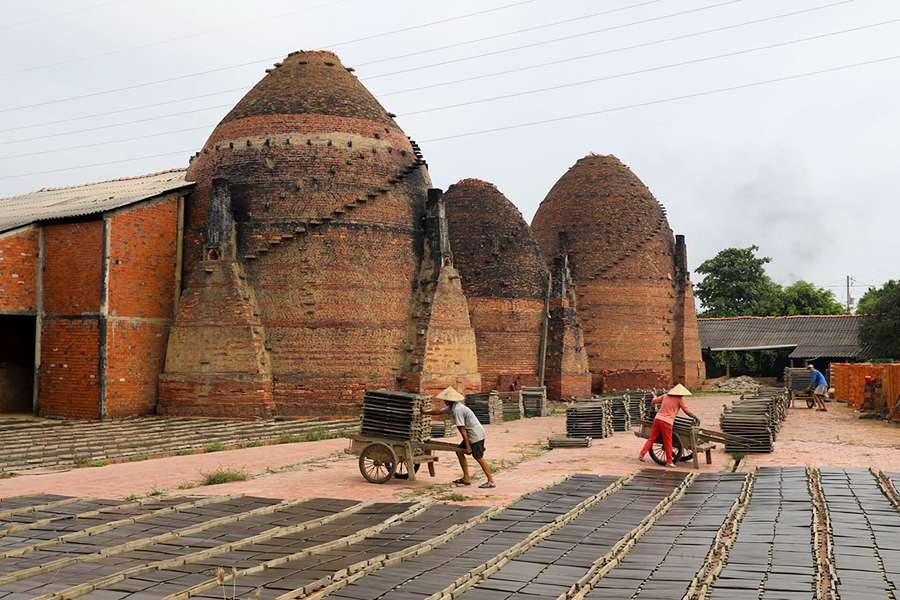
<point>504,279</point>
<point>630,279</point>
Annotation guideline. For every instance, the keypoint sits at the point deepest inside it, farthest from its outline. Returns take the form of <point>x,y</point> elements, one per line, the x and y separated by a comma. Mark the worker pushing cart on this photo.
<point>669,405</point>
<point>472,435</point>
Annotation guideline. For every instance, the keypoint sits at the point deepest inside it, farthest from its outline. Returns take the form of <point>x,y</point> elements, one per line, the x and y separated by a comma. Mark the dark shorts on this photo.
<point>477,448</point>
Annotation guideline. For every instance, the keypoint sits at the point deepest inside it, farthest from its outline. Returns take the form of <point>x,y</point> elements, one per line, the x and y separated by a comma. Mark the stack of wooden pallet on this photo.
<point>589,418</point>
<point>558,441</point>
<point>395,415</point>
<point>512,405</point>
<point>442,427</point>
<point>636,409</point>
<point>534,401</point>
<point>621,418</point>
<point>758,418</point>
<point>487,406</point>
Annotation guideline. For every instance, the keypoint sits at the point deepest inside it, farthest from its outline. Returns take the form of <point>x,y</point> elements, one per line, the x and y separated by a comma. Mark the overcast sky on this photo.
<point>806,168</point>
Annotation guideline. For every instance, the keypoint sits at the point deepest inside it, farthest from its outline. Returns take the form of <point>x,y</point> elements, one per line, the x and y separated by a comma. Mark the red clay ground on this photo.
<point>835,438</point>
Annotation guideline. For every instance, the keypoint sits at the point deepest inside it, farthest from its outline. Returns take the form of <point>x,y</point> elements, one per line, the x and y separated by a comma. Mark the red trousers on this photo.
<point>660,429</point>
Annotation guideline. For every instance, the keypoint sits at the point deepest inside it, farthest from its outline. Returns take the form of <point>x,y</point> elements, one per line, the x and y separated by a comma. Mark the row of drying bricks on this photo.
<point>657,534</point>
<point>61,446</point>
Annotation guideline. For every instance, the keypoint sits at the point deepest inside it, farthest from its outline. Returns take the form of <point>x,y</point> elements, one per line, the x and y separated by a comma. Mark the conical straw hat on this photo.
<point>451,395</point>
<point>679,390</point>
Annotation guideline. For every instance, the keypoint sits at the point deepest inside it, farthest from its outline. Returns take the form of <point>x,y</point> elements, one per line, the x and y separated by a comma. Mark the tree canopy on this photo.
<point>879,328</point>
<point>735,283</point>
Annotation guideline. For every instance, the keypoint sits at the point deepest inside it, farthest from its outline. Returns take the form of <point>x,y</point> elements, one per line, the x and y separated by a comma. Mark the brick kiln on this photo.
<point>635,298</point>
<point>505,282</point>
<point>308,272</point>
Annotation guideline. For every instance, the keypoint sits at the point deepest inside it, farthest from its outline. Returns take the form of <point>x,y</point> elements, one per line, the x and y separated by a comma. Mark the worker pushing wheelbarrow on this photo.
<point>664,422</point>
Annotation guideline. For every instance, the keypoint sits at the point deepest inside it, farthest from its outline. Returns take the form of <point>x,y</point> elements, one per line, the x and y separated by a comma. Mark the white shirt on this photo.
<point>463,416</point>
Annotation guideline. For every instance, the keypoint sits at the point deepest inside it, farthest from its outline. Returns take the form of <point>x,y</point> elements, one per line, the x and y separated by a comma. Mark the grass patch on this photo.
<point>215,447</point>
<point>184,452</point>
<point>132,497</point>
<point>187,485</point>
<point>157,492</point>
<point>431,489</point>
<point>289,438</point>
<point>453,497</point>
<point>6,475</point>
<point>97,463</point>
<point>316,435</point>
<point>253,443</point>
<point>220,476</point>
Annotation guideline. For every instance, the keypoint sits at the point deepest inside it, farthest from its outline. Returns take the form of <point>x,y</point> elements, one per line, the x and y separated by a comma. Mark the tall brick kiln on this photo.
<point>312,270</point>
<point>634,296</point>
<point>505,282</point>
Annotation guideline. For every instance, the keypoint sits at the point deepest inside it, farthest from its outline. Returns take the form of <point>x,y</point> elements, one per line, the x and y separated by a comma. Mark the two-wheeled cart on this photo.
<point>688,440</point>
<point>382,458</point>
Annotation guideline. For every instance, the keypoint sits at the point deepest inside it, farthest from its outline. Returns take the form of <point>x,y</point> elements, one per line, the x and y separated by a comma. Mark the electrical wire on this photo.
<point>482,100</point>
<point>509,33</point>
<point>608,110</point>
<point>252,62</point>
<point>99,164</point>
<point>430,86</point>
<point>268,59</point>
<point>166,41</point>
<point>618,49</point>
<point>559,39</point>
<point>666,100</point>
<point>653,69</point>
<point>59,15</point>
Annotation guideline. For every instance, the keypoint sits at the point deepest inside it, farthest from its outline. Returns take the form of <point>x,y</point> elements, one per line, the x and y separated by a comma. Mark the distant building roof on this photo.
<point>810,336</point>
<point>86,199</point>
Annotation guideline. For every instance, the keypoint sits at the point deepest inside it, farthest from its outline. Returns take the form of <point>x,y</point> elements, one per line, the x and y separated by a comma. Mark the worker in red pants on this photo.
<point>670,404</point>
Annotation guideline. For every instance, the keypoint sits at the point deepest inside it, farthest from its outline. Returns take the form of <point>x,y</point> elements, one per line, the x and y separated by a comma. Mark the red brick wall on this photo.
<point>73,268</point>
<point>142,254</point>
<point>70,379</point>
<point>567,374</point>
<point>508,337</point>
<point>18,268</point>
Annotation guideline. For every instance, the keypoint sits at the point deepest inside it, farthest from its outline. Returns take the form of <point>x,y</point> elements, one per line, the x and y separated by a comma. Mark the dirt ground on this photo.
<point>517,450</point>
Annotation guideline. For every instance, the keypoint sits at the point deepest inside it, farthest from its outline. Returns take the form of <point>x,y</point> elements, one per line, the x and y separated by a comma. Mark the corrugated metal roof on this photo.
<point>86,199</point>
<point>811,336</point>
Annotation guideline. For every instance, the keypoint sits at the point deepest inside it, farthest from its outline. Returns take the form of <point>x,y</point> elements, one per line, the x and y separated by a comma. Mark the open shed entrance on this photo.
<point>16,364</point>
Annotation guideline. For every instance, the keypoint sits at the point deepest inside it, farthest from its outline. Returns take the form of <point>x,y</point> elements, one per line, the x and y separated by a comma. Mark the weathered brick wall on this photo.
<point>333,285</point>
<point>73,268</point>
<point>18,269</point>
<point>143,249</point>
<point>69,379</point>
<point>621,256</point>
<point>687,361</point>
<point>504,279</point>
<point>69,383</point>
<point>567,371</point>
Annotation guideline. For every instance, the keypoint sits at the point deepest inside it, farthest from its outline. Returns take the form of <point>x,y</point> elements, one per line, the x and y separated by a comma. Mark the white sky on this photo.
<point>807,169</point>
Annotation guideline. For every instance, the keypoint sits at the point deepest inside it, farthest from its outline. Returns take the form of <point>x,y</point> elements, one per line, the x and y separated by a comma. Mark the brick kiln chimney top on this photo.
<point>310,82</point>
<point>492,244</point>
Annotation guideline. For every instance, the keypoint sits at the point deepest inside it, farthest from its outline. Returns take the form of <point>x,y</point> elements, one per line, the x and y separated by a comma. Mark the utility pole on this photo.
<point>850,282</point>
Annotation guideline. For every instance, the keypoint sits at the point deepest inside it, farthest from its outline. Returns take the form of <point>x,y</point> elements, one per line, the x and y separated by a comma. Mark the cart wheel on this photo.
<point>810,401</point>
<point>377,462</point>
<point>402,471</point>
<point>658,451</point>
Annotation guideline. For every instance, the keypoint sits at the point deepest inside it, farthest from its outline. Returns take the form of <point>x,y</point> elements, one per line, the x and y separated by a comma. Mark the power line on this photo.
<point>659,101</point>
<point>99,164</point>
<point>165,41</point>
<point>59,15</point>
<point>653,69</point>
<point>665,100</point>
<point>106,143</point>
<point>88,129</point>
<point>616,50</point>
<point>559,39</point>
<point>244,64</point>
<point>469,103</point>
<point>509,33</point>
<point>121,110</point>
<point>425,87</point>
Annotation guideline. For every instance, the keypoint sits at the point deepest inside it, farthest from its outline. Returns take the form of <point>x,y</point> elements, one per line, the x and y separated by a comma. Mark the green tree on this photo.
<point>734,282</point>
<point>804,298</point>
<point>879,328</point>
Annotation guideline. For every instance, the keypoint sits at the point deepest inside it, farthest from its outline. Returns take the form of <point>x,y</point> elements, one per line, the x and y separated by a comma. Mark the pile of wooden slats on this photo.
<point>487,406</point>
<point>589,418</point>
<point>559,441</point>
<point>512,405</point>
<point>534,401</point>
<point>395,415</point>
